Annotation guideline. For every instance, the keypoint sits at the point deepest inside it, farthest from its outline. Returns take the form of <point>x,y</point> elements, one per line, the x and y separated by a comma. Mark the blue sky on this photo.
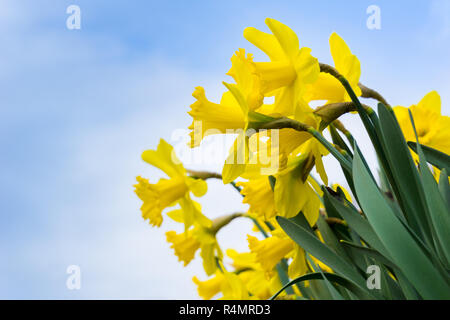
<point>77,108</point>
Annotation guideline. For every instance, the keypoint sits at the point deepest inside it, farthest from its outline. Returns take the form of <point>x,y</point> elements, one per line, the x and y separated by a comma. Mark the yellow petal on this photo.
<point>212,118</point>
<point>247,80</point>
<point>192,213</point>
<point>176,215</point>
<point>165,159</point>
<point>339,51</point>
<point>242,260</point>
<point>259,195</point>
<point>298,266</point>
<point>265,42</point>
<point>311,208</point>
<point>326,88</point>
<point>269,251</point>
<point>236,161</point>
<point>286,37</point>
<point>184,246</point>
<point>239,97</point>
<point>306,66</point>
<point>431,102</point>
<point>233,287</point>
<point>157,197</point>
<point>290,194</point>
<point>209,288</point>
<point>198,187</point>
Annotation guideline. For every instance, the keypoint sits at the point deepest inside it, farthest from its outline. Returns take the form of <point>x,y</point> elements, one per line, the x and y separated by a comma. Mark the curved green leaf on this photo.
<point>330,276</point>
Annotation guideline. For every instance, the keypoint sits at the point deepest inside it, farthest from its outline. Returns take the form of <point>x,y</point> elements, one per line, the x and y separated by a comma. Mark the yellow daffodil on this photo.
<point>293,191</point>
<point>208,289</point>
<point>235,107</point>
<point>200,237</point>
<point>233,288</point>
<point>214,118</point>
<point>329,88</point>
<point>184,245</point>
<point>169,192</point>
<point>259,195</point>
<point>270,251</point>
<point>254,277</point>
<point>290,67</point>
<point>247,80</point>
<point>433,129</point>
<point>270,153</point>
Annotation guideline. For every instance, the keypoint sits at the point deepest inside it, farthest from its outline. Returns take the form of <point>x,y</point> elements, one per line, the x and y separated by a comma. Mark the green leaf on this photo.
<point>433,156</point>
<point>405,174</point>
<point>345,163</point>
<point>330,276</point>
<point>354,219</point>
<point>370,253</point>
<point>405,252</point>
<point>329,286</point>
<point>319,250</point>
<point>337,140</point>
<point>330,238</point>
<point>444,187</point>
<point>437,207</point>
<point>284,279</point>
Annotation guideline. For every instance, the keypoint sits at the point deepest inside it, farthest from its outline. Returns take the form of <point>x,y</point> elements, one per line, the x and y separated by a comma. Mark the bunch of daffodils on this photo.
<point>384,236</point>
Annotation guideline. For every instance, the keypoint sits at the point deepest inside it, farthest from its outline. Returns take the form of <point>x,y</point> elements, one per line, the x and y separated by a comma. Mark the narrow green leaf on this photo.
<point>354,219</point>
<point>318,276</point>
<point>331,289</point>
<point>433,156</point>
<point>370,253</point>
<point>444,187</point>
<point>319,250</point>
<point>346,164</point>
<point>437,207</point>
<point>404,251</point>
<point>405,174</point>
<point>330,239</point>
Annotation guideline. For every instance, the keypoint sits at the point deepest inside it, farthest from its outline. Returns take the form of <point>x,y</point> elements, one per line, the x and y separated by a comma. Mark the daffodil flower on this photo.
<point>259,195</point>
<point>329,88</point>
<point>287,143</point>
<point>248,280</point>
<point>253,276</point>
<point>290,68</point>
<point>294,191</point>
<point>199,237</point>
<point>433,129</point>
<point>209,288</point>
<point>186,244</point>
<point>235,109</point>
<point>270,251</point>
<point>169,192</point>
